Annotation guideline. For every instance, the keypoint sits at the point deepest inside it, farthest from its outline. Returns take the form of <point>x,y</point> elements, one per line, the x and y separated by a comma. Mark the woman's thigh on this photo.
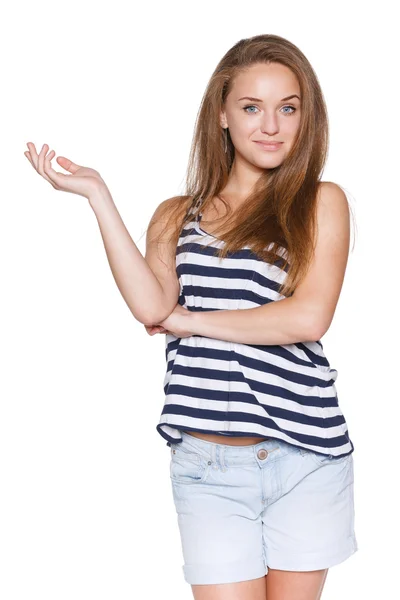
<point>254,589</point>
<point>276,585</point>
<point>294,585</point>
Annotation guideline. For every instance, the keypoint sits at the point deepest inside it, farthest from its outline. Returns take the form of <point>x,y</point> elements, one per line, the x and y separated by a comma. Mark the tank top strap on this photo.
<point>193,209</point>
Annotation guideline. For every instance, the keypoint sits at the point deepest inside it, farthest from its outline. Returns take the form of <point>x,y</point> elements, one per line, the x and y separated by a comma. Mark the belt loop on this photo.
<point>213,453</point>
<point>222,449</point>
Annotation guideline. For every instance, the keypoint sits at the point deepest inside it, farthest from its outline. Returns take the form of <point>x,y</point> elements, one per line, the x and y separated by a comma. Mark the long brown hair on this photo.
<point>281,209</point>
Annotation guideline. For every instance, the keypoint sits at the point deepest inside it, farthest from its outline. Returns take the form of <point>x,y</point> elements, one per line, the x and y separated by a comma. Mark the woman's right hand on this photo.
<point>83,181</point>
<point>152,329</point>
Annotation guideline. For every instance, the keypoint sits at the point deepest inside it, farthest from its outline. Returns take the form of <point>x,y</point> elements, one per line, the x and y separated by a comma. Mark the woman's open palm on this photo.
<point>83,181</point>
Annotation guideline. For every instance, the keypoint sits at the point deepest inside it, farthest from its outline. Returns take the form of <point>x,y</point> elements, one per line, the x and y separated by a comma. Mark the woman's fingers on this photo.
<point>43,166</point>
<point>57,179</point>
<point>28,156</point>
<point>152,329</point>
<point>35,161</point>
<point>83,181</point>
<point>48,171</point>
<point>33,154</point>
<point>43,160</point>
<point>67,164</point>
<point>41,156</point>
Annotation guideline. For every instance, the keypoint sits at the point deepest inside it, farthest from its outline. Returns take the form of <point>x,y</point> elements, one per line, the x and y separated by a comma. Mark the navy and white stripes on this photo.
<point>281,391</point>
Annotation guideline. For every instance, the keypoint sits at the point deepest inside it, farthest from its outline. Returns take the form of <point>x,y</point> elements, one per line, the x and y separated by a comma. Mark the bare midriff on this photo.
<point>226,439</point>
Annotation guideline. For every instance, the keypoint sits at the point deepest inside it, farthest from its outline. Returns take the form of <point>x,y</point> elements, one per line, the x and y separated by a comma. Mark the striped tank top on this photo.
<point>214,386</point>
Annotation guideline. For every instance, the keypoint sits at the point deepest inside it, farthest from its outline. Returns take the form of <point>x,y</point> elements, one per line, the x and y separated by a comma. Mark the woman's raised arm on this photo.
<point>148,292</point>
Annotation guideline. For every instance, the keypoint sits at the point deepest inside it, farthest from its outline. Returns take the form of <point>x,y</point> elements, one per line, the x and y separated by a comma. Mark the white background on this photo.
<point>86,510</point>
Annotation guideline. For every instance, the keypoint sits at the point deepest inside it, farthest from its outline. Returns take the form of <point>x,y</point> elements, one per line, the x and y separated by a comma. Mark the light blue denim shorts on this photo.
<point>243,509</point>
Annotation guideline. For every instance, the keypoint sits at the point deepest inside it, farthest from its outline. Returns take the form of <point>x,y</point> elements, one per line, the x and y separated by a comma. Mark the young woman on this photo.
<point>243,274</point>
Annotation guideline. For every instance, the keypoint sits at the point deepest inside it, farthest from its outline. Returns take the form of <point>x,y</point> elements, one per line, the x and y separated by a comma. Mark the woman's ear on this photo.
<point>222,120</point>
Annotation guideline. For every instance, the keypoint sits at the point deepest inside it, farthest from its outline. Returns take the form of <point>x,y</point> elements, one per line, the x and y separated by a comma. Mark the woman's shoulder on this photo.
<point>168,216</point>
<point>174,202</point>
<point>176,205</point>
<point>330,187</point>
<point>332,194</point>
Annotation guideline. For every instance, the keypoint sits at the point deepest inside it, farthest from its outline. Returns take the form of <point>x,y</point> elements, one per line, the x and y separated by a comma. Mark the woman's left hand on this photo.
<point>179,322</point>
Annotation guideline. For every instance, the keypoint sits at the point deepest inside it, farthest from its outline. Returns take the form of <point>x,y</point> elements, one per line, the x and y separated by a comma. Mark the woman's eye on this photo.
<point>250,106</point>
<point>291,113</point>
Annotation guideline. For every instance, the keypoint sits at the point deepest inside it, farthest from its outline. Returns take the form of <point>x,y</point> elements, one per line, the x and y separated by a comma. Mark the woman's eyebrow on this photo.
<point>259,99</point>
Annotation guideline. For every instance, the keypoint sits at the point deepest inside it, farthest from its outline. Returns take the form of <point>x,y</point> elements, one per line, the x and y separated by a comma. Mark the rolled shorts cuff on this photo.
<point>312,561</point>
<point>224,573</point>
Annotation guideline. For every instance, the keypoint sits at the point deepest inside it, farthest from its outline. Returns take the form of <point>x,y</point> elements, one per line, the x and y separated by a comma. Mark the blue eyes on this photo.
<point>253,113</point>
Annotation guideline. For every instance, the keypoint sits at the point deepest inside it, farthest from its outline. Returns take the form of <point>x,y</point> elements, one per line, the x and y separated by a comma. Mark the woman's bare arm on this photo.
<point>308,313</point>
<point>149,287</point>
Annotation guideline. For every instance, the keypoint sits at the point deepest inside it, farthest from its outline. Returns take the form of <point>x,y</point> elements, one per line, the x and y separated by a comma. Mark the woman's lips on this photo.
<point>270,146</point>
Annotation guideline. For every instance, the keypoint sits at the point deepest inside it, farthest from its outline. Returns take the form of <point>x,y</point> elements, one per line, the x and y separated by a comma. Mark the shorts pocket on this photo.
<point>287,448</point>
<point>186,466</point>
<point>322,459</point>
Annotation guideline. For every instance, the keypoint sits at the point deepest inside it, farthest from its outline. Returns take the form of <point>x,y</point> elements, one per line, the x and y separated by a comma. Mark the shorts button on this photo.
<point>262,453</point>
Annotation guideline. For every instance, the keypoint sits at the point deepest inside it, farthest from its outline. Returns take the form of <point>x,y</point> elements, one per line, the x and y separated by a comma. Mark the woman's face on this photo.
<point>269,116</point>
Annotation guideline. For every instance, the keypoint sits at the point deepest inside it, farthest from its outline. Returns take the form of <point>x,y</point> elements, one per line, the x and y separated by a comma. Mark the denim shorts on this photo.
<point>243,509</point>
